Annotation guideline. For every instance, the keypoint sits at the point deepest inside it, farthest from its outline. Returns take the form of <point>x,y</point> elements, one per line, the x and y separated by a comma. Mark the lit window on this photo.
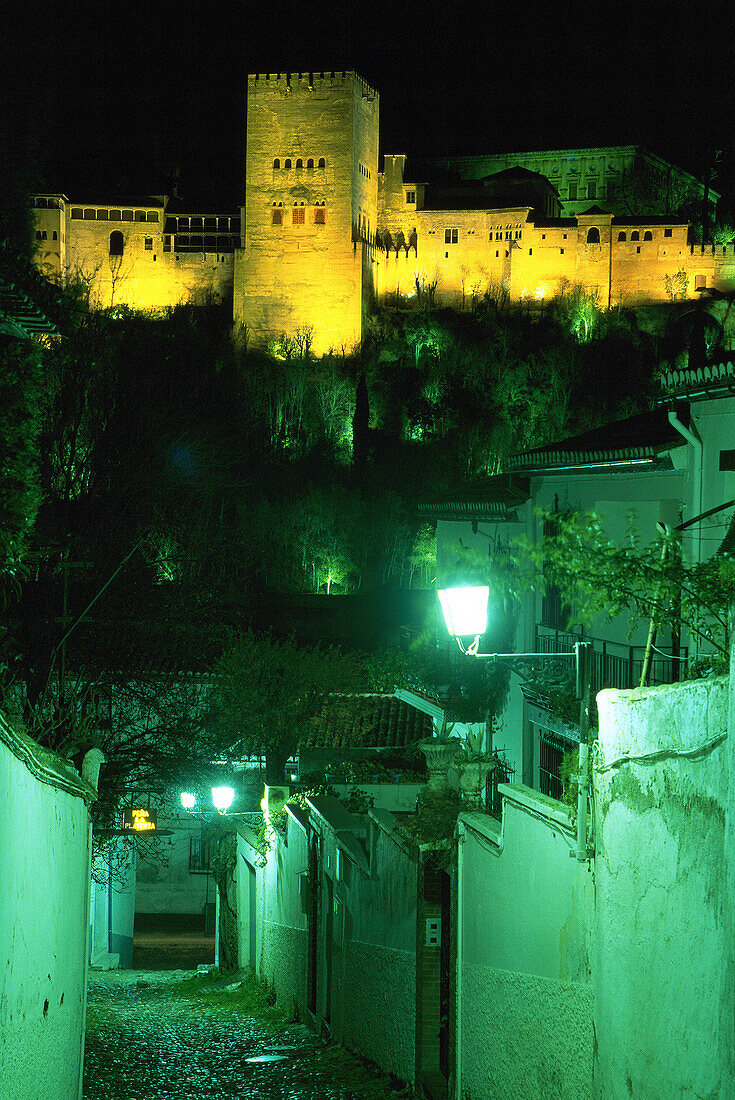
<point>700,282</point>
<point>451,236</point>
<point>298,215</point>
<point>116,243</point>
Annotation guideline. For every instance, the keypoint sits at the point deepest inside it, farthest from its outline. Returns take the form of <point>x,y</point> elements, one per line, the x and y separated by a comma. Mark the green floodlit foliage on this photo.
<point>20,422</point>
<point>599,578</point>
<point>267,693</point>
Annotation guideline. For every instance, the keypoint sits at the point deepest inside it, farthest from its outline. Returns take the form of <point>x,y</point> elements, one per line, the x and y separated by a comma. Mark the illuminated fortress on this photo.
<point>323,234</point>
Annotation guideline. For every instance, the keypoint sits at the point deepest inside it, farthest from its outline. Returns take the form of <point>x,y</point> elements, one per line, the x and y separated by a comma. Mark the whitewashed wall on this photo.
<point>44,887</point>
<point>112,910</point>
<point>281,930</point>
<point>374,960</point>
<point>373,943</point>
<point>663,961</point>
<point>164,883</point>
<point>525,998</point>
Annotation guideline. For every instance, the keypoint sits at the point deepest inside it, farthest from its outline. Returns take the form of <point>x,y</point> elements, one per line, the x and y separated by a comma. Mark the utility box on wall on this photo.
<point>433,931</point>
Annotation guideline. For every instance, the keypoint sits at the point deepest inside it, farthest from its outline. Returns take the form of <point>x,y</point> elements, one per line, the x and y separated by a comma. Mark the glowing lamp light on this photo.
<point>188,801</point>
<point>465,610</point>
<point>541,290</point>
<point>222,798</point>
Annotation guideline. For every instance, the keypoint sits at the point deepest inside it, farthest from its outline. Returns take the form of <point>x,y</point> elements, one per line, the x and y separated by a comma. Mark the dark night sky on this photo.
<point>110,97</point>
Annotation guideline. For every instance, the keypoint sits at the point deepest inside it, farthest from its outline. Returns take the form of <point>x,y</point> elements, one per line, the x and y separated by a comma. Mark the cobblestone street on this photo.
<point>156,1034</point>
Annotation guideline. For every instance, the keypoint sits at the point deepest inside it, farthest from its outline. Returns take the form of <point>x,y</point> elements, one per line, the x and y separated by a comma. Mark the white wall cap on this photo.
<point>519,795</point>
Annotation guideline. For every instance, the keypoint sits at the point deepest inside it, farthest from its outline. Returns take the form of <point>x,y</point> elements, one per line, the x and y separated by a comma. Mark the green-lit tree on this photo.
<point>267,693</point>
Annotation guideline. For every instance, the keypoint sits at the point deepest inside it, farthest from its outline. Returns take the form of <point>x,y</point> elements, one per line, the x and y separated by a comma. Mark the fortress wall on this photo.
<point>544,261</point>
<point>50,253</point>
<point>133,279</point>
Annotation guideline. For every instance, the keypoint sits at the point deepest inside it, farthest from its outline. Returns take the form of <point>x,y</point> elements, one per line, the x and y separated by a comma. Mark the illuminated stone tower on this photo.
<point>310,208</point>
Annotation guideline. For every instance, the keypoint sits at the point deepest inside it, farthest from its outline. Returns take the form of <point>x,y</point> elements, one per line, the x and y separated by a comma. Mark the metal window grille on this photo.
<point>552,748</point>
<point>199,855</point>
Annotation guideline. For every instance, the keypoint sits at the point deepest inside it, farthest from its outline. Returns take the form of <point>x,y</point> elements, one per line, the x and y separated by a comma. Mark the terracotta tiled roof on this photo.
<point>494,498</point>
<point>20,316</point>
<point>699,383</point>
<point>639,439</point>
<point>367,722</point>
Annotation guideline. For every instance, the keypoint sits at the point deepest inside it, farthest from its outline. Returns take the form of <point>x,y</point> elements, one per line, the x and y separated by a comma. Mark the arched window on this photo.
<point>276,163</point>
<point>648,235</point>
<point>319,215</point>
<point>593,235</point>
<point>116,243</point>
<point>310,163</point>
<point>277,216</point>
<point>299,163</point>
<point>635,235</point>
<point>622,236</point>
<point>287,164</point>
<point>322,163</point>
<point>54,236</point>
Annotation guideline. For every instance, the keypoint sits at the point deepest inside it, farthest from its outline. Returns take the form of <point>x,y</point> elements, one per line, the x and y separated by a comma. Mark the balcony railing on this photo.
<point>615,664</point>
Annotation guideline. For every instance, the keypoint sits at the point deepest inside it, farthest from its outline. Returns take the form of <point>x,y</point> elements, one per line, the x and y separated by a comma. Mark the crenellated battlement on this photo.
<point>290,82</point>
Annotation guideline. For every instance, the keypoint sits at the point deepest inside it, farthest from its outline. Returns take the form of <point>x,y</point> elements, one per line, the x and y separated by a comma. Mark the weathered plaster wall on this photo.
<point>663,953</point>
<point>526,997</point>
<point>282,952</point>
<point>374,1002</point>
<point>379,1014</point>
<point>44,836</point>
<point>164,881</point>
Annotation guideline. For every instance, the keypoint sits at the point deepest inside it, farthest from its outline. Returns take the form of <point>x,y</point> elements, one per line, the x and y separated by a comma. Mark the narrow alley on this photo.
<point>156,1034</point>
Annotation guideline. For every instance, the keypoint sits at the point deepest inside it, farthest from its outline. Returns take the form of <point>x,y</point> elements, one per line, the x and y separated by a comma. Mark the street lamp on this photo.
<point>465,615</point>
<point>222,798</point>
